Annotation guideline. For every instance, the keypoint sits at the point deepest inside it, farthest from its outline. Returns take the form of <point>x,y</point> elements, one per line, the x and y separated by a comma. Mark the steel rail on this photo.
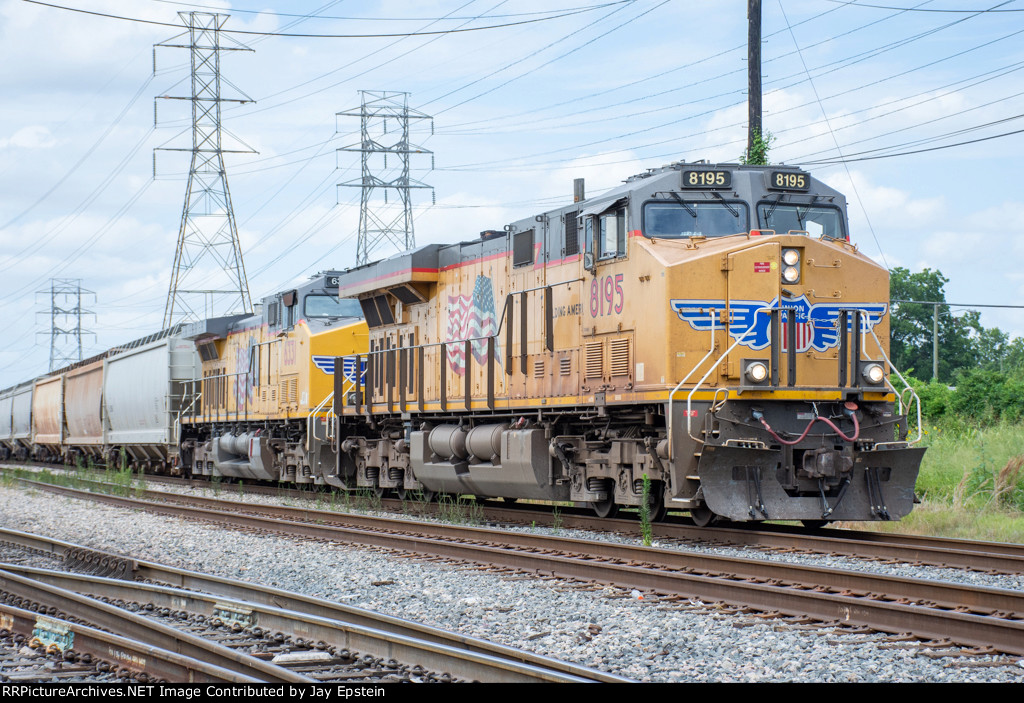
<point>940,594</point>
<point>124,653</point>
<point>314,607</point>
<point>142,629</point>
<point>937,593</point>
<point>1004,633</point>
<point>431,656</point>
<point>984,556</point>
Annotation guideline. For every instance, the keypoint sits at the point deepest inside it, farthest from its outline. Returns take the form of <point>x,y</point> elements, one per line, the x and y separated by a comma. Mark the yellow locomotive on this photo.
<point>708,330</point>
<point>261,408</point>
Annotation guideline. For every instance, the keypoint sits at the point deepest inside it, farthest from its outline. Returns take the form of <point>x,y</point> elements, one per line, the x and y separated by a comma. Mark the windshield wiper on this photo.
<point>693,213</point>
<point>730,208</point>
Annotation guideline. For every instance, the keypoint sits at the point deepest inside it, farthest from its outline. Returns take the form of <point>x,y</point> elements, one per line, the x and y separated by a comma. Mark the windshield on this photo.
<point>815,220</point>
<point>694,219</point>
<point>330,306</point>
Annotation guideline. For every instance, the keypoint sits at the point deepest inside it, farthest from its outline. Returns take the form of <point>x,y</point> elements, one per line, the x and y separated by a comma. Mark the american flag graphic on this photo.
<point>804,331</point>
<point>471,316</point>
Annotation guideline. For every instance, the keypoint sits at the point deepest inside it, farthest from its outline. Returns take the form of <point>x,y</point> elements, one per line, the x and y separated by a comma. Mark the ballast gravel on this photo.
<point>605,628</point>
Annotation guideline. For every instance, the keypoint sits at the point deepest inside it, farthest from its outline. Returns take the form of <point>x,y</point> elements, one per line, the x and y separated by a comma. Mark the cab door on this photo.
<point>753,286</point>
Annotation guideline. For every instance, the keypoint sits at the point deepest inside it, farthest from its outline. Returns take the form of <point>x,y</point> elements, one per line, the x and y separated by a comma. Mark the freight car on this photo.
<point>704,337</point>
<point>125,400</point>
<point>16,422</point>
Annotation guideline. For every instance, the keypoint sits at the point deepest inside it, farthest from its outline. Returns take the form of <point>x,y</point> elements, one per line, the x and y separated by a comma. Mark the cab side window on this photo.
<point>611,234</point>
<point>290,301</point>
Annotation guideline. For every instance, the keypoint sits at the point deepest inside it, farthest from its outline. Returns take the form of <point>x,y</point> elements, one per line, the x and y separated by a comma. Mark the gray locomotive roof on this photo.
<point>395,268</point>
<point>749,183</point>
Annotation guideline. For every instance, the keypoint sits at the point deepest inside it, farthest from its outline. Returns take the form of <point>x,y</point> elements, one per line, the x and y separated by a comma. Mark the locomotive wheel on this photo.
<point>605,508</point>
<point>702,516</point>
<point>658,507</point>
<point>402,493</point>
<point>379,491</point>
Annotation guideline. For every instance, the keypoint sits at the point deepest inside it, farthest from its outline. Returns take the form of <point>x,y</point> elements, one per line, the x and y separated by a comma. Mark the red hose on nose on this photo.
<point>856,430</point>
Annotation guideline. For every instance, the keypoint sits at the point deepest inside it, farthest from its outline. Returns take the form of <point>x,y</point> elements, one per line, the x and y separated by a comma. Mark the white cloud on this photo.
<point>32,137</point>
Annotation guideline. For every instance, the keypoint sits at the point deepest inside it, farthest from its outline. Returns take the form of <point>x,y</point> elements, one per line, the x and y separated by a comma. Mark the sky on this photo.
<point>913,109</point>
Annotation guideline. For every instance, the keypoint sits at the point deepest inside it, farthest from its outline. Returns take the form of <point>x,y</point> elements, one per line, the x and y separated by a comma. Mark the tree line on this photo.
<point>980,369</point>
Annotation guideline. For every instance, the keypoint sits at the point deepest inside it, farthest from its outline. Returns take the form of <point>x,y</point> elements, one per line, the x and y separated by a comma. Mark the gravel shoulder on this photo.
<point>603,628</point>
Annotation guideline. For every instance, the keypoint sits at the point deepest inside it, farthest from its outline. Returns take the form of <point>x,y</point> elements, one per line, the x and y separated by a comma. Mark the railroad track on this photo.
<point>63,607</point>
<point>974,555</point>
<point>321,640</point>
<point>966,615</point>
<point>96,656</point>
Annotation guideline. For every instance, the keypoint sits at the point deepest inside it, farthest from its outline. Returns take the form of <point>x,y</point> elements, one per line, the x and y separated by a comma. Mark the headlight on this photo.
<point>756,372</point>
<point>791,274</point>
<point>873,373</point>
<point>790,257</point>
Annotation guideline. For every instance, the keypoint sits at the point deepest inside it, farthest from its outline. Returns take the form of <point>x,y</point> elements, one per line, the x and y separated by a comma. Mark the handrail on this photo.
<point>490,340</point>
<point>714,328</point>
<point>244,412</point>
<point>689,397</point>
<point>696,366</point>
<point>311,419</point>
<point>685,379</point>
<point>907,387</point>
<point>182,411</point>
<point>445,345</point>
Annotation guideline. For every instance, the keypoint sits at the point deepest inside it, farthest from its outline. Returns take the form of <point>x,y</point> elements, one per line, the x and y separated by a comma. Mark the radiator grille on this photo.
<point>594,359</point>
<point>289,391</point>
<point>620,357</point>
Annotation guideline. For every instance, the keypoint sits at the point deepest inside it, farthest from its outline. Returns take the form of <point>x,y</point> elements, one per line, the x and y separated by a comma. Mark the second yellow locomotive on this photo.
<point>260,409</point>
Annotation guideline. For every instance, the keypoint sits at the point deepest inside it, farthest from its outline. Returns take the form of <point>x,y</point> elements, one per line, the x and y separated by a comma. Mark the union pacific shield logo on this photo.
<point>326,364</point>
<point>817,325</point>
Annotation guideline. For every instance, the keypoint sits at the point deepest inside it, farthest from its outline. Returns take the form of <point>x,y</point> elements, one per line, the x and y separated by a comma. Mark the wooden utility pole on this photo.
<point>753,73</point>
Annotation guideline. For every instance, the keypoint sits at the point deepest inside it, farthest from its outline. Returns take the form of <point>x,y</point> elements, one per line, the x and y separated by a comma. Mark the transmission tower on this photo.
<point>65,315</point>
<point>388,221</point>
<point>208,234</point>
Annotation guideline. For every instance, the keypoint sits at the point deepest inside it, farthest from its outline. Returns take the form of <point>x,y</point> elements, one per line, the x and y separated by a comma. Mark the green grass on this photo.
<point>971,484</point>
<point>943,520</point>
<point>459,511</point>
<point>973,467</point>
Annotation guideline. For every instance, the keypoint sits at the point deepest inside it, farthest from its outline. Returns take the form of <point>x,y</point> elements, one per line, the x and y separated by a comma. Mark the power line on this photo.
<point>323,36</point>
<point>392,19</point>
<point>89,152</point>
<point>548,162</point>
<point>850,3</point>
<point>956,305</point>
<point>534,53</point>
<point>352,63</point>
<point>919,151</point>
